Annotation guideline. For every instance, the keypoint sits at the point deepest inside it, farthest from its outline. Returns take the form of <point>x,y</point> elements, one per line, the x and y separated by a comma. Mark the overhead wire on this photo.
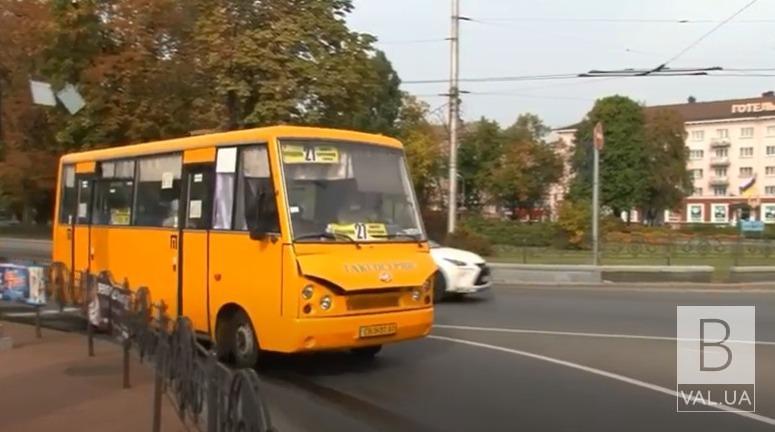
<point>709,32</point>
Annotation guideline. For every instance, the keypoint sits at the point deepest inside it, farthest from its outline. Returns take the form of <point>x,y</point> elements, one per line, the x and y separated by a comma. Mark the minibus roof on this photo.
<point>244,136</point>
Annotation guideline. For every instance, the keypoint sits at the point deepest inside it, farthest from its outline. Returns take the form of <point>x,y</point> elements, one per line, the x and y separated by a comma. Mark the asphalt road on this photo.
<point>523,359</point>
<point>534,377</point>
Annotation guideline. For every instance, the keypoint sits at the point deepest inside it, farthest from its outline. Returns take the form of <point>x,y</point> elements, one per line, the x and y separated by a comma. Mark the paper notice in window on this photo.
<point>166,180</point>
<point>198,178</point>
<point>195,209</point>
<point>82,210</point>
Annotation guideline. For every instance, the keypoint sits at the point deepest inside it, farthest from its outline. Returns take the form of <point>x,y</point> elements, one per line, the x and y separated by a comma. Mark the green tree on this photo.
<point>382,106</point>
<point>278,62</point>
<point>528,126</point>
<point>624,168</point>
<point>481,144</point>
<point>421,145</point>
<point>521,176</point>
<point>669,180</point>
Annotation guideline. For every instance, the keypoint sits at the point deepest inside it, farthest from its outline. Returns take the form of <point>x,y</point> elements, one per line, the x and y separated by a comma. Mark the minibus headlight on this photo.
<point>307,292</point>
<point>416,293</point>
<point>428,284</point>
<point>325,303</point>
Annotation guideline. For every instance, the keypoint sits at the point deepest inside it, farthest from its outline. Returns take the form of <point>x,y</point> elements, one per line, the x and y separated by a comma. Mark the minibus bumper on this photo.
<point>316,334</point>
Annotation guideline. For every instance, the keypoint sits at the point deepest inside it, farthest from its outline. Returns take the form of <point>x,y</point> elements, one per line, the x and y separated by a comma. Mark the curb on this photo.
<point>650,286</point>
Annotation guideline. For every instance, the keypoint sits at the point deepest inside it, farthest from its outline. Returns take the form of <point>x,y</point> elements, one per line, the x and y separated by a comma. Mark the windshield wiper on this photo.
<point>415,237</point>
<point>324,234</point>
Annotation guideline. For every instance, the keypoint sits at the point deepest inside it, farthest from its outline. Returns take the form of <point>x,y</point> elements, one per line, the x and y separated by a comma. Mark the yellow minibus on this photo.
<point>284,239</point>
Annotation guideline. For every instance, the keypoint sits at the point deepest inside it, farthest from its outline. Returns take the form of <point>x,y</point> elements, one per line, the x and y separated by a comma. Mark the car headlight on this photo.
<point>456,262</point>
<point>307,292</point>
<point>325,303</point>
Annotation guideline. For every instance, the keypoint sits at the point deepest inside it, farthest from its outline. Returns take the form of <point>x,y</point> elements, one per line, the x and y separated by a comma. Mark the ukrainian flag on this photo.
<point>748,187</point>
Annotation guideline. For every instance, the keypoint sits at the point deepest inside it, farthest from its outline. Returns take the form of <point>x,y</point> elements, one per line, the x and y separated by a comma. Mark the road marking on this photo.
<point>603,373</point>
<point>567,333</point>
<point>43,312</point>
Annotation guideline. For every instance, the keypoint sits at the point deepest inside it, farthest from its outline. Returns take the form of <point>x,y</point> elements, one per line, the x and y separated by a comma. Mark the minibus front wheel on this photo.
<point>236,340</point>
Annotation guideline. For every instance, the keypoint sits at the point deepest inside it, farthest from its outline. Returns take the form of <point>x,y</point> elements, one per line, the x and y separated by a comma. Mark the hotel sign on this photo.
<point>753,107</point>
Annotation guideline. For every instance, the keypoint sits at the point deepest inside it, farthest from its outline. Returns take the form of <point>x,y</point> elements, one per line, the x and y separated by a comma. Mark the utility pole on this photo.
<point>454,114</point>
<point>598,141</point>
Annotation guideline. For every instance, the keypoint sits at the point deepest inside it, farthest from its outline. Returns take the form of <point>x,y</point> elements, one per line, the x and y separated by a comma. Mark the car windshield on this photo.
<point>349,191</point>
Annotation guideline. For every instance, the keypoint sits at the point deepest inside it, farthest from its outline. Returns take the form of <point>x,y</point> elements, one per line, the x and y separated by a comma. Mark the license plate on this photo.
<point>377,330</point>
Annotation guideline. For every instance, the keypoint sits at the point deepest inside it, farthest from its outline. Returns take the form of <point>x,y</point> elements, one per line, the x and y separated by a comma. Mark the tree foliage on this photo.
<point>481,145</point>
<point>522,175</point>
<point>669,181</point>
<point>643,163</point>
<point>421,144</point>
<point>624,172</point>
<point>155,69</point>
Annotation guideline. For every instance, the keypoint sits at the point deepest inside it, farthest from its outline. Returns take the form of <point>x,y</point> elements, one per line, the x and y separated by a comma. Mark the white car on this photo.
<point>460,272</point>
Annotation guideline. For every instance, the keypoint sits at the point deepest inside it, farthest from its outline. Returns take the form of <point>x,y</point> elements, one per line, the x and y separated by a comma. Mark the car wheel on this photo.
<point>236,341</point>
<point>439,287</point>
<point>368,352</point>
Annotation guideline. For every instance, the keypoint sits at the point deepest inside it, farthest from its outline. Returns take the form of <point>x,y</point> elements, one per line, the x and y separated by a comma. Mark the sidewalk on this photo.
<point>51,384</point>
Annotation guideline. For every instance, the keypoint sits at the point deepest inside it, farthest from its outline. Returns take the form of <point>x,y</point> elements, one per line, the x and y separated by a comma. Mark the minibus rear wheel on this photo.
<point>236,340</point>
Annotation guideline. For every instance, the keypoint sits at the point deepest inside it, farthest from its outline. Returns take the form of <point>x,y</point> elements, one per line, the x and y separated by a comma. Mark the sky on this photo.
<point>521,37</point>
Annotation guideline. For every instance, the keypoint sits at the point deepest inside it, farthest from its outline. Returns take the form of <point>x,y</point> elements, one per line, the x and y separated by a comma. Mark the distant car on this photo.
<point>460,272</point>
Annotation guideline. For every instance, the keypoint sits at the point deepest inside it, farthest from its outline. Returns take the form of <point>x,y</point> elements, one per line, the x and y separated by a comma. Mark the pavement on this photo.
<point>50,384</point>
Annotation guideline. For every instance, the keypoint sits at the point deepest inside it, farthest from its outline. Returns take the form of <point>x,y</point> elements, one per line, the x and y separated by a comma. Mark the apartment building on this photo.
<point>731,146</point>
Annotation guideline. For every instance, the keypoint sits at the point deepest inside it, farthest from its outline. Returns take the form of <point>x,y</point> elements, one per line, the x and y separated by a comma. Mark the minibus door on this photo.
<point>197,212</point>
<point>81,238</point>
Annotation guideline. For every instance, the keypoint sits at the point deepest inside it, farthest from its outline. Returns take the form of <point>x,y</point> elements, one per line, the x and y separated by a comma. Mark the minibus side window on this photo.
<point>225,170</point>
<point>254,183</point>
<point>158,191</point>
<point>67,202</point>
<point>113,193</point>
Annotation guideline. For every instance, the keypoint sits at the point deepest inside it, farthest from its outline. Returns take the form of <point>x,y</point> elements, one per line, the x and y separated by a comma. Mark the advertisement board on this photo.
<point>22,283</point>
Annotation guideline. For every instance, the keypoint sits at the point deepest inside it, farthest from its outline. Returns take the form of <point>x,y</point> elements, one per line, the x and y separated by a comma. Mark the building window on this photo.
<point>697,192</point>
<point>722,152</point>
<point>697,174</point>
<point>746,152</point>
<point>720,172</point>
<point>746,172</point>
<point>696,154</point>
<point>770,131</point>
<point>770,171</point>
<point>720,212</point>
<point>698,135</point>
<point>722,133</point>
<point>769,190</point>
<point>770,150</point>
<point>719,191</point>
<point>746,132</point>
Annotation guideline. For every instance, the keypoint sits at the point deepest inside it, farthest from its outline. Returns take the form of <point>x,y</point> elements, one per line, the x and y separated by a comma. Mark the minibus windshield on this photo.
<point>340,192</point>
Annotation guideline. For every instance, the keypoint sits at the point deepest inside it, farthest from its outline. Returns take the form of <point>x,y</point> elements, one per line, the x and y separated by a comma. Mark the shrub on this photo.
<point>575,220</point>
<point>514,233</point>
<point>466,239</point>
